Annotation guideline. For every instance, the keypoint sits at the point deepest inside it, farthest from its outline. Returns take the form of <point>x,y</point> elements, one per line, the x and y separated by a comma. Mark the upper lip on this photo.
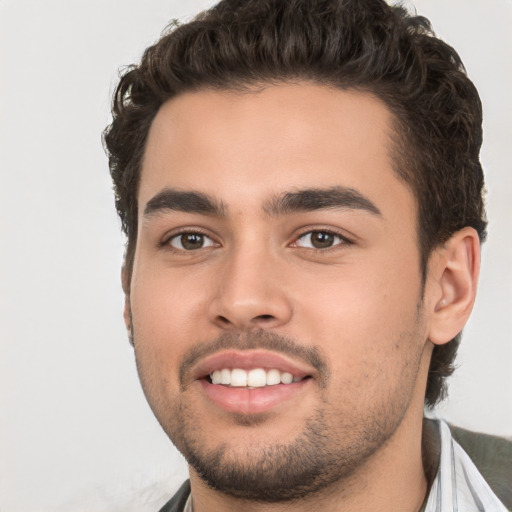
<point>247,360</point>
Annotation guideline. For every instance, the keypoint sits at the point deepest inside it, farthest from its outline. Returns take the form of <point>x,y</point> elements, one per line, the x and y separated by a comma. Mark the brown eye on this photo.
<point>191,241</point>
<point>319,240</point>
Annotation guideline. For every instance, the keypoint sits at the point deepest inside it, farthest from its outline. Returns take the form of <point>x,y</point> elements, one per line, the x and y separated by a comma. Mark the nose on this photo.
<point>250,293</point>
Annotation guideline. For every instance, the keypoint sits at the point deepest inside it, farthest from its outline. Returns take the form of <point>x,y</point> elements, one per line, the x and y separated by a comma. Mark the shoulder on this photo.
<point>177,502</point>
<point>492,455</point>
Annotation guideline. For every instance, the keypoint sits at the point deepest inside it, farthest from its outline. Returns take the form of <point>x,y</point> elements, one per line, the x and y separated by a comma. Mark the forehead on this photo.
<point>245,147</point>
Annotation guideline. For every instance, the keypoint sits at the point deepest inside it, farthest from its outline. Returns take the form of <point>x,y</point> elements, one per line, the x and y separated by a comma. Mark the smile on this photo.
<point>252,381</point>
<point>255,378</point>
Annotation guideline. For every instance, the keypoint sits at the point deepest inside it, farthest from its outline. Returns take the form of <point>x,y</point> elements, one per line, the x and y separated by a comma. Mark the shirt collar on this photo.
<point>458,485</point>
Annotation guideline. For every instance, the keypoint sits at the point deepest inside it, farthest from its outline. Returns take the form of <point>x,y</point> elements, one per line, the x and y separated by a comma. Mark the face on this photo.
<point>276,293</point>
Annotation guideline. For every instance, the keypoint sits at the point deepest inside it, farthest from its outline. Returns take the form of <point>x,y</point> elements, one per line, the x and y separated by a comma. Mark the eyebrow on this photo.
<point>319,199</point>
<point>291,202</point>
<point>184,201</point>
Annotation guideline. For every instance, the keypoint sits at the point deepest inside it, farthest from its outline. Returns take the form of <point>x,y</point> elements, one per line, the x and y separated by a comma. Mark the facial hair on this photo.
<point>316,458</point>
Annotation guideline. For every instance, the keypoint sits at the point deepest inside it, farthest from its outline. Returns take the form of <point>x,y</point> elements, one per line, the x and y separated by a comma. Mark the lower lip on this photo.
<point>251,401</point>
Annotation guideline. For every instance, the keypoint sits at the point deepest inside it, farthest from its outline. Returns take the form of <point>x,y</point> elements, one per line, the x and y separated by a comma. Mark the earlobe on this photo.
<point>455,270</point>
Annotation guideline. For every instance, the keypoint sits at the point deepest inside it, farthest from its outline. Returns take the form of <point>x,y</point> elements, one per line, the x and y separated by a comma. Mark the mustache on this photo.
<point>259,339</point>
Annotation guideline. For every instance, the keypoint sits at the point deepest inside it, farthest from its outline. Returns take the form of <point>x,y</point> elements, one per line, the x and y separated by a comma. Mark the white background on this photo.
<point>75,431</point>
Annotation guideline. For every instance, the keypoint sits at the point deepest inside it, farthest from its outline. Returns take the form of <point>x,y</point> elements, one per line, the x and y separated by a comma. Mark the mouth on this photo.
<point>251,379</point>
<point>251,382</point>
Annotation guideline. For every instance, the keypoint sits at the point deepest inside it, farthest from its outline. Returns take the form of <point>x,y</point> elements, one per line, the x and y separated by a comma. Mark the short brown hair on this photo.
<point>364,45</point>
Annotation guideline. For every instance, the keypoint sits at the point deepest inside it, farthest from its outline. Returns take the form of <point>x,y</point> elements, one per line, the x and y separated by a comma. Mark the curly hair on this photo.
<point>363,45</point>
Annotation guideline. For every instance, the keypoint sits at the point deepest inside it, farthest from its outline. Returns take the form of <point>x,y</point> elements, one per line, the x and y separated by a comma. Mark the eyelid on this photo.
<point>345,240</point>
<point>168,237</point>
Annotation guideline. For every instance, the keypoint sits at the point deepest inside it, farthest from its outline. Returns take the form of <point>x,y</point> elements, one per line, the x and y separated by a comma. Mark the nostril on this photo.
<point>223,320</point>
<point>265,318</point>
<point>261,320</point>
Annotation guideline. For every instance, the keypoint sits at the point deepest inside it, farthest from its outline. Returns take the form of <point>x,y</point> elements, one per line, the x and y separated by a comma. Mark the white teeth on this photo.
<point>286,378</point>
<point>216,377</point>
<point>225,376</point>
<point>273,377</point>
<point>238,378</point>
<point>256,378</point>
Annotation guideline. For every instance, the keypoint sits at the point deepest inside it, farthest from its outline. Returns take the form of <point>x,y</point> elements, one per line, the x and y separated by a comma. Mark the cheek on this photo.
<point>166,307</point>
<point>373,335</point>
<point>157,342</point>
<point>161,320</point>
<point>362,315</point>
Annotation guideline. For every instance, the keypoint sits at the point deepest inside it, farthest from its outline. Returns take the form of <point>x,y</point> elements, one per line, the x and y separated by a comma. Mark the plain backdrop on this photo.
<point>76,433</point>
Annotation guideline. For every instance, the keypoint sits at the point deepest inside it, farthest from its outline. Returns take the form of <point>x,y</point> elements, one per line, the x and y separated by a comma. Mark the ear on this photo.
<point>127,312</point>
<point>452,283</point>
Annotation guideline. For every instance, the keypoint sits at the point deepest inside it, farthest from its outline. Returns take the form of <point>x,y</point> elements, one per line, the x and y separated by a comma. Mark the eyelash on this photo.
<point>167,242</point>
<point>343,240</point>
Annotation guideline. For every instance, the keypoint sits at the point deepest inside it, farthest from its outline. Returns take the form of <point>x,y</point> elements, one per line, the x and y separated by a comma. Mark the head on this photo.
<point>364,54</point>
<point>240,45</point>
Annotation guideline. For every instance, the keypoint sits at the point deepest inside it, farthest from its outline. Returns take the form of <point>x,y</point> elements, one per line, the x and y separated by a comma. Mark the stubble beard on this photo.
<point>331,447</point>
<point>312,462</point>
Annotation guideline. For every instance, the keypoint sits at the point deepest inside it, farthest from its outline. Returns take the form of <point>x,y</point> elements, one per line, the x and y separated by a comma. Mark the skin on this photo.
<point>360,304</point>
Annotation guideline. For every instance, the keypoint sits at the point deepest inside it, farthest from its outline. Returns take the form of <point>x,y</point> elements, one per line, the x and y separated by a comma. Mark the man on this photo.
<point>301,190</point>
